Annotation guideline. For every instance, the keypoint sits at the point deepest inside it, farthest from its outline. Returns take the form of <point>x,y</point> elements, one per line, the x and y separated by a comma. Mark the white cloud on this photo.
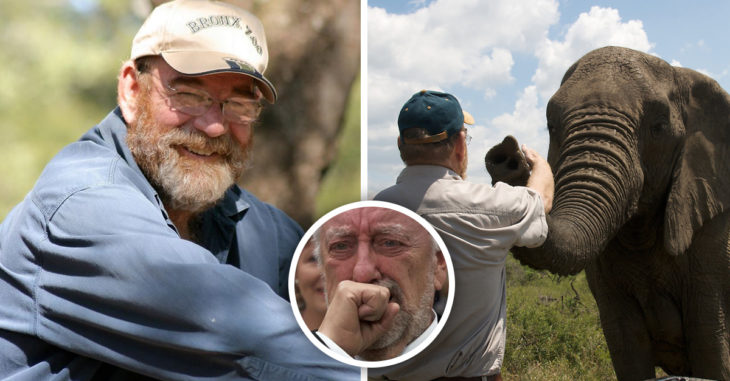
<point>466,42</point>
<point>385,97</point>
<point>486,70</point>
<point>489,93</point>
<point>525,120</point>
<point>597,28</point>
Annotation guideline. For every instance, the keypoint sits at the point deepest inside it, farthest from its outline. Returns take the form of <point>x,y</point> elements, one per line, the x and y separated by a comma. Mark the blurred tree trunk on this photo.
<point>314,49</point>
<point>314,58</point>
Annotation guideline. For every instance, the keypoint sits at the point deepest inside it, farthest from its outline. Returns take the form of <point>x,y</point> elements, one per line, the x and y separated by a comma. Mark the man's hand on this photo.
<point>357,315</point>
<point>541,178</point>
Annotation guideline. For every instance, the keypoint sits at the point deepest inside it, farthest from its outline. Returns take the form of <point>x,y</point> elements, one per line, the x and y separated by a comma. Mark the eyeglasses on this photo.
<point>467,136</point>
<point>196,102</point>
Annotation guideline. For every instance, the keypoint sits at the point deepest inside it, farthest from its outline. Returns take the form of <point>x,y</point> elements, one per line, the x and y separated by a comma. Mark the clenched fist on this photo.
<point>358,314</point>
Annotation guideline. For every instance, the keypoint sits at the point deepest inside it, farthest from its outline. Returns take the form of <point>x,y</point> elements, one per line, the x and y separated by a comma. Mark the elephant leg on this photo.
<point>707,297</point>
<point>623,327</point>
<point>707,338</point>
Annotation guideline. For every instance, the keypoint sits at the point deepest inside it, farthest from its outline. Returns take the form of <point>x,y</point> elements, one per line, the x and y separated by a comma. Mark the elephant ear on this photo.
<point>700,187</point>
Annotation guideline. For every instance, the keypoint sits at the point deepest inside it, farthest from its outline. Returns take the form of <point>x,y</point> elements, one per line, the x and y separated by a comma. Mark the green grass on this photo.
<point>553,328</point>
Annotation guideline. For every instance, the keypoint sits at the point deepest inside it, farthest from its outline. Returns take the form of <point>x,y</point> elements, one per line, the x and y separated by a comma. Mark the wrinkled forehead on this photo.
<point>371,221</point>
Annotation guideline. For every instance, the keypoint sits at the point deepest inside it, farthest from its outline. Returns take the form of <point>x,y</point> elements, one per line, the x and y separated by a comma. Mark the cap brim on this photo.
<point>468,119</point>
<point>205,63</point>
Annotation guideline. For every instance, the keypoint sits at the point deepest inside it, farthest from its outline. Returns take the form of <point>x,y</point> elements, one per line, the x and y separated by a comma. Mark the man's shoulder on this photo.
<point>412,184</point>
<point>79,166</point>
<point>402,194</point>
<point>390,192</point>
<point>455,195</point>
<point>418,191</point>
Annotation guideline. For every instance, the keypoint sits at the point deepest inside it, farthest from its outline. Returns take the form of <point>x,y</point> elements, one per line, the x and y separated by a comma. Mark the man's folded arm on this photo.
<point>117,284</point>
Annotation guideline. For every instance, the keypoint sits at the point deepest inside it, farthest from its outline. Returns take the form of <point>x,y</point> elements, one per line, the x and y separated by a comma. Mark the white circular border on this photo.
<point>449,267</point>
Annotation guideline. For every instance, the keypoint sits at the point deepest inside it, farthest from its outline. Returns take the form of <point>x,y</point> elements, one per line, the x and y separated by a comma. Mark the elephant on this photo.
<point>640,152</point>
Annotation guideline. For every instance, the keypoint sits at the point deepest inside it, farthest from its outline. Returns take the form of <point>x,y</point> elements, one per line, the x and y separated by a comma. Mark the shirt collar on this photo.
<point>427,172</point>
<point>234,203</point>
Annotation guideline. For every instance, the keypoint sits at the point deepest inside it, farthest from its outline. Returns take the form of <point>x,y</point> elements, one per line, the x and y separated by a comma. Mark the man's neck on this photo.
<point>182,219</point>
<point>444,164</point>
<point>448,166</point>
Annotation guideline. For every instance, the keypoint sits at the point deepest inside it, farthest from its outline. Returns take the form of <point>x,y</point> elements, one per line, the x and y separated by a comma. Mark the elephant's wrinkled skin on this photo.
<point>641,156</point>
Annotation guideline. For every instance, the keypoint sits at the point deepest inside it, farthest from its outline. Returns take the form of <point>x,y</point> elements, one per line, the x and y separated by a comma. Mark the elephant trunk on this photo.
<point>598,180</point>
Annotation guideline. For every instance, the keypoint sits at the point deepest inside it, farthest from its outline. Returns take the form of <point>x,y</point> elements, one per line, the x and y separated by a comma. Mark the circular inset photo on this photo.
<point>371,284</point>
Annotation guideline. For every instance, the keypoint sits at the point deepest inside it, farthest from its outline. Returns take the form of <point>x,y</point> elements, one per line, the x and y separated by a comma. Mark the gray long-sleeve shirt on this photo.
<point>479,224</point>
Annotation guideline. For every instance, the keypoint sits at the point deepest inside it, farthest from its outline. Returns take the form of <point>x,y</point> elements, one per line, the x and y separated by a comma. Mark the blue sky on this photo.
<point>503,59</point>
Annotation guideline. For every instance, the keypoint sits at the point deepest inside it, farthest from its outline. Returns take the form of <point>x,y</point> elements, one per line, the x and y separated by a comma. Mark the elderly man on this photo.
<point>478,223</point>
<point>381,271</point>
<point>136,255</point>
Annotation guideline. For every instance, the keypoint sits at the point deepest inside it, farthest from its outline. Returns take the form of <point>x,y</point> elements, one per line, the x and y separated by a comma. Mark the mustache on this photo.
<point>396,293</point>
<point>199,142</point>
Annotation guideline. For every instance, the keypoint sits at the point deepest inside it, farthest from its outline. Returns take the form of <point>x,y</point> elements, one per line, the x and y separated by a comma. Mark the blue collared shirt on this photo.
<point>95,281</point>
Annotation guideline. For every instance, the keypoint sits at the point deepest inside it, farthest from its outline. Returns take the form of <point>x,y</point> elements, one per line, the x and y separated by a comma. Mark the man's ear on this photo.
<point>441,275</point>
<point>460,147</point>
<point>128,89</point>
<point>457,154</point>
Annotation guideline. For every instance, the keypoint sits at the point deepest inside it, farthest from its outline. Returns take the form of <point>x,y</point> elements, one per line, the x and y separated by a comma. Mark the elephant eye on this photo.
<point>658,128</point>
<point>550,128</point>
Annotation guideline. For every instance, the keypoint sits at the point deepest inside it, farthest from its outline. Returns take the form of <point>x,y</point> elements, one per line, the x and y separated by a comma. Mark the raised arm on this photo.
<point>541,177</point>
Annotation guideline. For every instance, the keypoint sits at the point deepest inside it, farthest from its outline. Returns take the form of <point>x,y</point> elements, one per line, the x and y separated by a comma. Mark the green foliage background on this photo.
<point>341,184</point>
<point>58,80</point>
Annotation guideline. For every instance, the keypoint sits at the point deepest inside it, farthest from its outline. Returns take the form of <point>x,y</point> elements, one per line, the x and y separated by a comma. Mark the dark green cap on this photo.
<point>438,113</point>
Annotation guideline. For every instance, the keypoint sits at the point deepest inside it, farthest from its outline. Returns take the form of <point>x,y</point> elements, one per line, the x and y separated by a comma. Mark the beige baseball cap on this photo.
<point>200,37</point>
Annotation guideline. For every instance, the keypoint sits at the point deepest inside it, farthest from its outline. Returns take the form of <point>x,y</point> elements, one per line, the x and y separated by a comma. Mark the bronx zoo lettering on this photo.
<point>226,21</point>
